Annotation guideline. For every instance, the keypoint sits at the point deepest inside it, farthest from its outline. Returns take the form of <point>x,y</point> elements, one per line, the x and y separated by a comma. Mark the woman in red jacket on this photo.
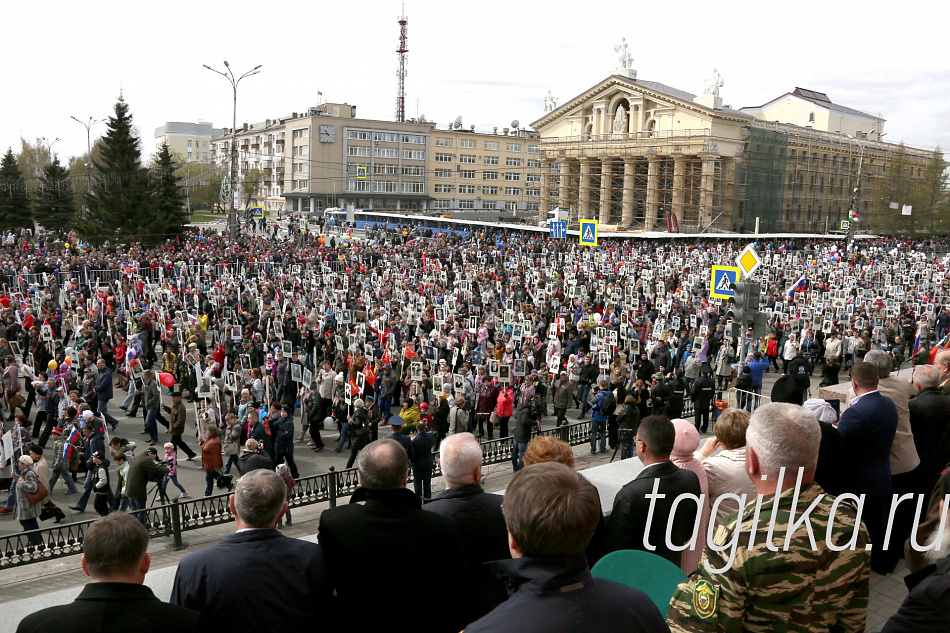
<point>506,397</point>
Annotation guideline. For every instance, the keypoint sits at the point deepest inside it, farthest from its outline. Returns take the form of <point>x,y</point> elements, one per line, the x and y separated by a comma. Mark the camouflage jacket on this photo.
<point>802,590</point>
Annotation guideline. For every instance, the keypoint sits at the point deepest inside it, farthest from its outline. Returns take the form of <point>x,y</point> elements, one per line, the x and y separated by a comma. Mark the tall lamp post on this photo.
<point>88,127</point>
<point>229,75</point>
<point>49,146</point>
<point>852,211</point>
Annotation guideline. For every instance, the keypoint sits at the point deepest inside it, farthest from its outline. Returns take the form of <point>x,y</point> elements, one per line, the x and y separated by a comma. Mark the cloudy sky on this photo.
<point>489,61</point>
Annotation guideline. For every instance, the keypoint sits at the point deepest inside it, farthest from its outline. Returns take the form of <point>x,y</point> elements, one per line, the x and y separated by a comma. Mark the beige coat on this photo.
<point>725,472</point>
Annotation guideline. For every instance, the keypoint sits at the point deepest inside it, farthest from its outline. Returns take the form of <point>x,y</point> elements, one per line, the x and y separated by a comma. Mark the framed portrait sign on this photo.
<point>415,371</point>
<point>287,348</point>
<point>520,367</point>
<point>504,373</point>
<point>493,368</point>
<point>296,372</point>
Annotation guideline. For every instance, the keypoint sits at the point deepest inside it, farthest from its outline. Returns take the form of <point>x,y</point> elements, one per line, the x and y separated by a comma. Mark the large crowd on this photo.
<point>448,338</point>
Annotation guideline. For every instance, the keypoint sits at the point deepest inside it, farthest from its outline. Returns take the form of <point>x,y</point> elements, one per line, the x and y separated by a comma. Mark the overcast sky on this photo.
<point>490,61</point>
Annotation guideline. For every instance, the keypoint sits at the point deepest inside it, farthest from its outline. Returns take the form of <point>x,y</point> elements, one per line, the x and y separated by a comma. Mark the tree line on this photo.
<point>118,200</point>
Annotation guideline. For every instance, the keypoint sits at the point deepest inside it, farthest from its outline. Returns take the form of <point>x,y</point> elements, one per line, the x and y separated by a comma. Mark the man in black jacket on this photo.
<point>116,559</point>
<point>628,527</point>
<point>702,395</point>
<point>359,560</point>
<point>587,377</point>
<point>290,590</point>
<point>551,513</point>
<point>477,514</point>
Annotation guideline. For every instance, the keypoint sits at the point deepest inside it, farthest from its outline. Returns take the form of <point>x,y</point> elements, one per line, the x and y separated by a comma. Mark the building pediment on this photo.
<point>615,87</point>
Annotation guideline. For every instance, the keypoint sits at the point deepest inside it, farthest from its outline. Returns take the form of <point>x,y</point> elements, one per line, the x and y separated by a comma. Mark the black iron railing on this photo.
<point>173,519</point>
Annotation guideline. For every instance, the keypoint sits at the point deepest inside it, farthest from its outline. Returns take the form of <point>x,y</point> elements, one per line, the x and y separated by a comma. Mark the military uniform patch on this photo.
<point>705,599</point>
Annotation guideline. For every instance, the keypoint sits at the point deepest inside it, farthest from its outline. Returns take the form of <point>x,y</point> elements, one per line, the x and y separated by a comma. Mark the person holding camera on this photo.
<point>628,419</point>
<point>143,469</point>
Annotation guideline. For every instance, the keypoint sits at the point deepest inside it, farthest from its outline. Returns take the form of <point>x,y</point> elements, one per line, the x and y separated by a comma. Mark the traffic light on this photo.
<point>760,325</point>
<point>755,296</point>
<point>740,302</point>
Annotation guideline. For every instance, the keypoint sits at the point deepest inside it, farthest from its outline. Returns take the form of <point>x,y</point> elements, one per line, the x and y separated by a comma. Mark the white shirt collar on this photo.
<point>855,399</point>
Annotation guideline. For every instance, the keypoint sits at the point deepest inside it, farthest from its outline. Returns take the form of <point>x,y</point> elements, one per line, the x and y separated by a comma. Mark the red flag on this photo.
<point>385,359</point>
<point>409,353</point>
<point>353,388</point>
<point>370,376</point>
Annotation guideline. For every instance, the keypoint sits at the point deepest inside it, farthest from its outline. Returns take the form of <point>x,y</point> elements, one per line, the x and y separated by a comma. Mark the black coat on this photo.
<point>386,544</point>
<point>113,606</point>
<point>290,590</point>
<point>930,424</point>
<point>484,536</point>
<point>628,519</point>
<point>926,609</point>
<point>832,473</point>
<point>558,593</point>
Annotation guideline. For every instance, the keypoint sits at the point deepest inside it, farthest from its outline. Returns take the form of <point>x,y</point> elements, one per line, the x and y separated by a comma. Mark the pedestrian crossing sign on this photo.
<point>303,224</point>
<point>361,173</point>
<point>722,278</point>
<point>257,213</point>
<point>588,233</point>
<point>845,225</point>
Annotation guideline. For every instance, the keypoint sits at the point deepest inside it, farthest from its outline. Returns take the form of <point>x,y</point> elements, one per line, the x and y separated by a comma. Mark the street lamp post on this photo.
<point>229,75</point>
<point>88,127</point>
<point>49,147</point>
<point>857,185</point>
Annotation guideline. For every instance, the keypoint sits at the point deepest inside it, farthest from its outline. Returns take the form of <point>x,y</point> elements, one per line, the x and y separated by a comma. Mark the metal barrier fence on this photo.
<point>175,518</point>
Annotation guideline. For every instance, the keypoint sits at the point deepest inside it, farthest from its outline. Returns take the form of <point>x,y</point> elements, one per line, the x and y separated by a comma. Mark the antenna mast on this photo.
<point>401,73</point>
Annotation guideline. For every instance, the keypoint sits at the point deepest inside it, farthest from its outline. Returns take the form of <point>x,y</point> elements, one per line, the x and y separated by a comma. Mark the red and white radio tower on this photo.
<point>401,73</point>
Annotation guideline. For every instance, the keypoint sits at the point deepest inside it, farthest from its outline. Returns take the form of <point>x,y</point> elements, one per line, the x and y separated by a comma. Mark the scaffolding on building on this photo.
<point>801,179</point>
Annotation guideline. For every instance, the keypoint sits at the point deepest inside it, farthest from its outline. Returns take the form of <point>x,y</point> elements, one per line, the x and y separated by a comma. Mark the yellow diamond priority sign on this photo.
<point>748,261</point>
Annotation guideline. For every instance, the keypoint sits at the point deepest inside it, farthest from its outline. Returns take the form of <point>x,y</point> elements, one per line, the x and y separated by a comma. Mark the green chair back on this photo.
<point>652,574</point>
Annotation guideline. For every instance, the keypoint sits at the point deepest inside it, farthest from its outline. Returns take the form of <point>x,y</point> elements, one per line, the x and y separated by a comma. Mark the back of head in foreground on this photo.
<point>115,549</point>
<point>781,435</point>
<point>383,465</point>
<point>259,499</point>
<point>550,510</point>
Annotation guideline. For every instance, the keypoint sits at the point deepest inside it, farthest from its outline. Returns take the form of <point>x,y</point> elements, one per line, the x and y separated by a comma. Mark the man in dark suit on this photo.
<point>867,429</point>
<point>289,590</point>
<point>481,524</point>
<point>639,521</point>
<point>116,560</point>
<point>387,542</point>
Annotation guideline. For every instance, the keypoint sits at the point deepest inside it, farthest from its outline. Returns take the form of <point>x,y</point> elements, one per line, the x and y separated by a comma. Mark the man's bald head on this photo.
<point>383,465</point>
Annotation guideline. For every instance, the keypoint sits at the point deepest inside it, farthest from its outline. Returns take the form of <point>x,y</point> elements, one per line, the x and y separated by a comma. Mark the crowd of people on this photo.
<point>451,338</point>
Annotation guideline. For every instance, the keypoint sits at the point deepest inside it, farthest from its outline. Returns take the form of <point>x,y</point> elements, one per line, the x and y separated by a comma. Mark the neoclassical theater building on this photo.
<point>642,155</point>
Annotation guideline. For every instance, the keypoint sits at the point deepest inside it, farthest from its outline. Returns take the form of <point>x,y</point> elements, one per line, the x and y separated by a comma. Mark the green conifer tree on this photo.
<point>170,215</point>
<point>121,205</point>
<point>54,208</point>
<point>14,205</point>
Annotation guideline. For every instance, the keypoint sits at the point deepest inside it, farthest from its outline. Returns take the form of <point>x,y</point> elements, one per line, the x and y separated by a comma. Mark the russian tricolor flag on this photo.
<point>797,286</point>
<point>916,343</point>
<point>73,435</point>
<point>68,452</point>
